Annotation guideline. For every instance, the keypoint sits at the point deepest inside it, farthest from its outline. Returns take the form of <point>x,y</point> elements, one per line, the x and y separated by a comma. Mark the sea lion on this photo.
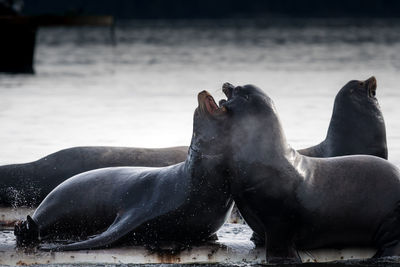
<point>28,184</point>
<point>300,202</point>
<point>357,125</point>
<point>187,202</point>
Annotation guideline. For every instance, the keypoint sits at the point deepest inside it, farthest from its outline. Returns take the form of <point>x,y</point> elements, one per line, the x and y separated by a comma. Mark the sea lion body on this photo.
<point>300,202</point>
<point>142,204</point>
<point>29,183</point>
<point>187,202</point>
<point>323,201</point>
<point>349,190</point>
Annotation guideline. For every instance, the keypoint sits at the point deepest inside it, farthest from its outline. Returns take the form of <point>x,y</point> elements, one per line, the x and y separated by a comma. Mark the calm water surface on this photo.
<point>137,86</point>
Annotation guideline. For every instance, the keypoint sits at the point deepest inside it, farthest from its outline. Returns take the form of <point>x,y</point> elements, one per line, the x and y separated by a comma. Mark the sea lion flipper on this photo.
<point>26,232</point>
<point>121,226</point>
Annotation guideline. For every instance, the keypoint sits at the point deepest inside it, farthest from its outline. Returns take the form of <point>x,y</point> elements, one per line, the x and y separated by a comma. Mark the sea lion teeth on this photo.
<point>227,88</point>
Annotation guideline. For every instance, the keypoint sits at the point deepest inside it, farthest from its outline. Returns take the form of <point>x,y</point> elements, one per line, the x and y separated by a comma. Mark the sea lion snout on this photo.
<point>371,85</point>
<point>202,95</point>
<point>227,88</point>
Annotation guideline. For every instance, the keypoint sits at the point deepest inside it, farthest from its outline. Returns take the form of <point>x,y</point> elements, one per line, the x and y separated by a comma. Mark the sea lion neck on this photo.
<point>196,153</point>
<point>203,157</point>
<point>263,160</point>
<point>206,171</point>
<point>204,149</point>
<point>259,139</point>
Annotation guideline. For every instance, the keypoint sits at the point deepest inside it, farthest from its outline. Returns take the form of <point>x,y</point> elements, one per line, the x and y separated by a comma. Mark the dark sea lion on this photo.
<point>187,202</point>
<point>356,105</point>
<point>357,125</point>
<point>300,202</point>
<point>29,183</point>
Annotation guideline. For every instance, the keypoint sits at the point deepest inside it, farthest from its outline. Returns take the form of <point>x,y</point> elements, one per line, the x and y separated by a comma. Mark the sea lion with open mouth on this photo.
<point>187,202</point>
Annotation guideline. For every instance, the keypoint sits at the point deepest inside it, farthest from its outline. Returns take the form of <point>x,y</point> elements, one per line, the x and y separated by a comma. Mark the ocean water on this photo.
<point>136,84</point>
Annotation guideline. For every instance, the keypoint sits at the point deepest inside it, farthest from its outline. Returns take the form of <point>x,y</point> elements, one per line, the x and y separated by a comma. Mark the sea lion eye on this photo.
<point>246,97</point>
<point>361,83</point>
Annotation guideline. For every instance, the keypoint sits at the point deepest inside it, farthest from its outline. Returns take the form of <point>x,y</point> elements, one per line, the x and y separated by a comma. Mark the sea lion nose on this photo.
<point>371,86</point>
<point>202,96</point>
<point>203,93</point>
<point>227,88</point>
<point>371,83</point>
<point>371,79</point>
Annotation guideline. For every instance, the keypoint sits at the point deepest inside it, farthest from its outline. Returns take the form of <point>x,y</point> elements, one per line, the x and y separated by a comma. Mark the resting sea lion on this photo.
<point>28,184</point>
<point>187,202</point>
<point>300,202</point>
<point>357,125</point>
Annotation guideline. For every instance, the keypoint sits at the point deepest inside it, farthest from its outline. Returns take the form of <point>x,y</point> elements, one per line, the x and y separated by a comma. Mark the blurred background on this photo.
<point>127,72</point>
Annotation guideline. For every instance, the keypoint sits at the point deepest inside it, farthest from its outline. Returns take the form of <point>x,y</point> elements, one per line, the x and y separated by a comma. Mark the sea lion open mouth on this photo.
<point>208,106</point>
<point>227,89</point>
<point>371,85</point>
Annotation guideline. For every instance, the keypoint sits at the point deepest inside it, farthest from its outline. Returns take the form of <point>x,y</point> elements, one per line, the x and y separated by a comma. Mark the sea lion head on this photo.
<point>247,100</point>
<point>361,94</point>
<point>357,121</point>
<point>209,126</point>
<point>255,126</point>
